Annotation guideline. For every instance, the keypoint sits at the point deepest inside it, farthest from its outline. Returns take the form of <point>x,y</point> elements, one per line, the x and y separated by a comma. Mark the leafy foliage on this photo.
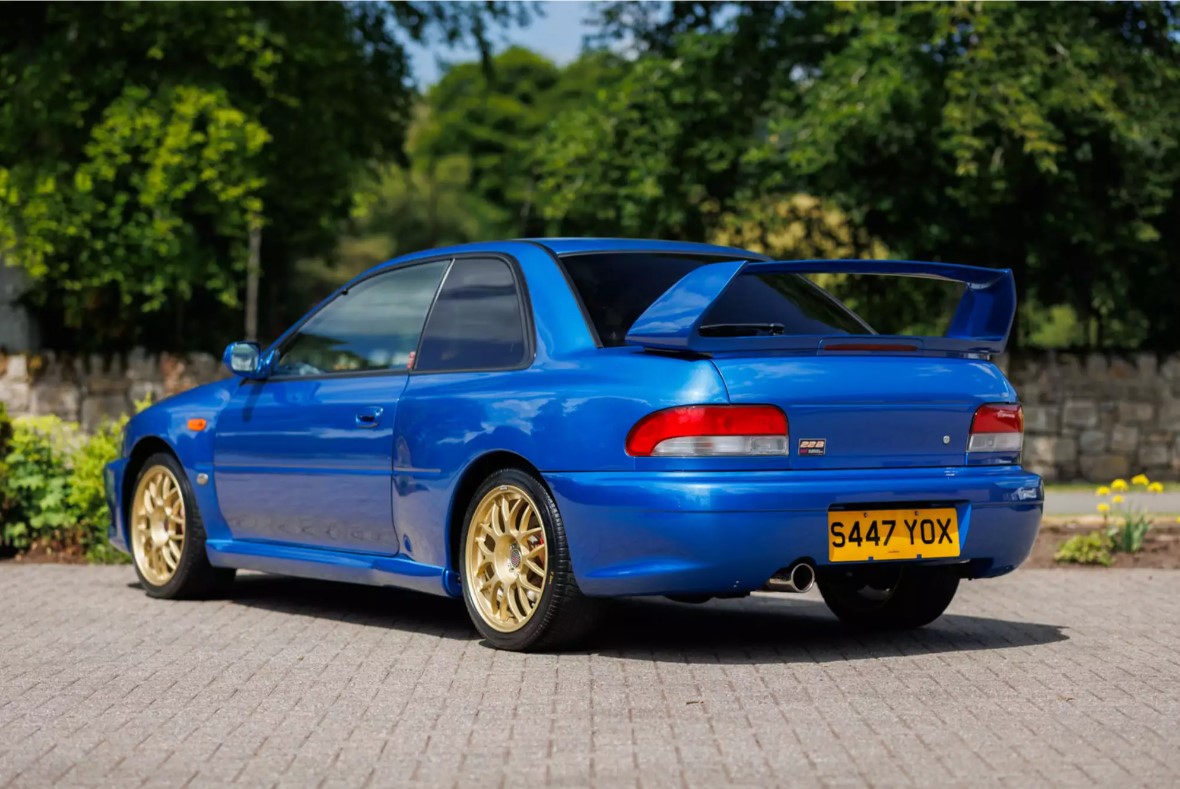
<point>1036,136</point>
<point>653,152</point>
<point>1091,548</point>
<point>1129,536</point>
<point>86,497</point>
<point>139,142</point>
<point>471,172</point>
<point>491,116</point>
<point>36,487</point>
<point>53,493</point>
<point>121,226</point>
<point>5,442</point>
<point>428,204</point>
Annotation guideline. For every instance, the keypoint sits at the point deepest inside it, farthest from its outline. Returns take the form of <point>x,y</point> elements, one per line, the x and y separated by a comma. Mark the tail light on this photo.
<point>997,427</point>
<point>710,431</point>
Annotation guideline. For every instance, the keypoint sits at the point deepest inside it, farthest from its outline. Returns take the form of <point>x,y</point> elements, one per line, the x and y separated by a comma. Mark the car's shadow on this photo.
<point>758,629</point>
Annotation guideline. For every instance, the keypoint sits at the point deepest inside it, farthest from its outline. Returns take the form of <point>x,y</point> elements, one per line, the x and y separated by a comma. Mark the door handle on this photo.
<point>369,416</point>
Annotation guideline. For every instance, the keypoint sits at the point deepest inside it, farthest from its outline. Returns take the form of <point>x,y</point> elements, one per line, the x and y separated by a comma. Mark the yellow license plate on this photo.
<point>880,535</point>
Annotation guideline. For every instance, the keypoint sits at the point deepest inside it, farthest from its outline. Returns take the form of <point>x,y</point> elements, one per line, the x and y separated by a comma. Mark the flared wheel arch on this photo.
<point>143,449</point>
<point>472,477</point>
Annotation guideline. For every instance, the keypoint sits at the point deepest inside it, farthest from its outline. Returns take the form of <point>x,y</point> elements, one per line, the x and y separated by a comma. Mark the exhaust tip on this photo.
<point>798,578</point>
<point>803,577</point>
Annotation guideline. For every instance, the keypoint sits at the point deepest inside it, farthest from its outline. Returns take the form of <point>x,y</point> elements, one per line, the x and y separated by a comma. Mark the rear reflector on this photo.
<point>997,427</point>
<point>710,431</point>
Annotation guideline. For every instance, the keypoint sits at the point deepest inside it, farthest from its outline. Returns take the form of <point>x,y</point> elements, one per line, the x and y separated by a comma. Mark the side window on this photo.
<point>477,322</point>
<point>373,326</point>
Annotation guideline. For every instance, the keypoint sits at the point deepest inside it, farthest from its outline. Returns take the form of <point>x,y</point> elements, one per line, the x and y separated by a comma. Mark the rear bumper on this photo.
<point>637,533</point>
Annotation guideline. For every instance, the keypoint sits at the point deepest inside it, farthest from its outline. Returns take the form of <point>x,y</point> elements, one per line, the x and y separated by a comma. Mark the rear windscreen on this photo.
<point>616,288</point>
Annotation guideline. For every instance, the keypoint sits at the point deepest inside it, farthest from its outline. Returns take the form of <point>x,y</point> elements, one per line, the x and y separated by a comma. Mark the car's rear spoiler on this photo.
<point>980,325</point>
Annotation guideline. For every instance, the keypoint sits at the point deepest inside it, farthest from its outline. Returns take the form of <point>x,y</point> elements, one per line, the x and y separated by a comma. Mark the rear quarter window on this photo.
<point>477,322</point>
<point>616,289</point>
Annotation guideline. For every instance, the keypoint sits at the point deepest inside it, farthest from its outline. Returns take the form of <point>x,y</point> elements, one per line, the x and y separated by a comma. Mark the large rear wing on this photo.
<point>980,325</point>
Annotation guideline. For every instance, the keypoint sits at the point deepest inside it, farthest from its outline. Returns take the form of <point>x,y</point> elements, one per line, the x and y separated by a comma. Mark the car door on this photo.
<point>305,456</point>
<point>463,395</point>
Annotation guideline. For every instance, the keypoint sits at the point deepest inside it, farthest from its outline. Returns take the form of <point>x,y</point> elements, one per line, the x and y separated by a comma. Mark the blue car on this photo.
<point>538,425</point>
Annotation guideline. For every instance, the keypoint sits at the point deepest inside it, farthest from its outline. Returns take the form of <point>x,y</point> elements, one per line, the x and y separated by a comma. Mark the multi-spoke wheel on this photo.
<point>157,525</point>
<point>167,535</point>
<point>507,559</point>
<point>517,580</point>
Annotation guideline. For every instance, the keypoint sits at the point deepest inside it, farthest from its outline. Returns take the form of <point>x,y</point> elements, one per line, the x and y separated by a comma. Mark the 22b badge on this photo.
<point>812,447</point>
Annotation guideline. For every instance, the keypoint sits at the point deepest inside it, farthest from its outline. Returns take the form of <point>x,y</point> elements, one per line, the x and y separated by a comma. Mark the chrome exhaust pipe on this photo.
<point>798,578</point>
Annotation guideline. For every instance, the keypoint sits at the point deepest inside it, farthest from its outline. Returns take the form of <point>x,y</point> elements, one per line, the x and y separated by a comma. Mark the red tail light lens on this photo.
<point>710,431</point>
<point>997,427</point>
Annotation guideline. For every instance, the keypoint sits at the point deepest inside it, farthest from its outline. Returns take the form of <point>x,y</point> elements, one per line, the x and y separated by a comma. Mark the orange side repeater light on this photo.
<point>197,425</point>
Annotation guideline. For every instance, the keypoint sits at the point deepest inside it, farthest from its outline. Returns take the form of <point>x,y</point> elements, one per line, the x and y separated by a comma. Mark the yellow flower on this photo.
<point>1139,479</point>
<point>1104,507</point>
<point>1155,487</point>
<point>1118,499</point>
<point>1118,484</point>
<point>1103,490</point>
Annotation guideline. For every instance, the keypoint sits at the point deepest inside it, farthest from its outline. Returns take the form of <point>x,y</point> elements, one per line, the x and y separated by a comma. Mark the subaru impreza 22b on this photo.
<point>537,425</point>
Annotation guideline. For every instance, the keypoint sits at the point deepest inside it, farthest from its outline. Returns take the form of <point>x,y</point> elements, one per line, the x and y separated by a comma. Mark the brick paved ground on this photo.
<point>1054,676</point>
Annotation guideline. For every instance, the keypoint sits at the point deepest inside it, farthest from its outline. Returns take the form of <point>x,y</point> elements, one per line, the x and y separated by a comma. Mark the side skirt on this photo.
<point>328,565</point>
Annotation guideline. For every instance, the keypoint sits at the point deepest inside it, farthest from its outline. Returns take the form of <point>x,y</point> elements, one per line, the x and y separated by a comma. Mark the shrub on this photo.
<point>5,430</point>
<point>36,486</point>
<point>51,485</point>
<point>1092,548</point>
<point>87,497</point>
<point>5,441</point>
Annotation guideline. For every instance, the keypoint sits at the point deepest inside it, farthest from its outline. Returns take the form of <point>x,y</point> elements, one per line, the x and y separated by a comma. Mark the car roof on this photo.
<point>576,246</point>
<point>573,246</point>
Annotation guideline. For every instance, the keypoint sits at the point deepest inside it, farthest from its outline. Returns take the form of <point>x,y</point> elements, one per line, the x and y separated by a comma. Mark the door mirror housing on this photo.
<point>244,359</point>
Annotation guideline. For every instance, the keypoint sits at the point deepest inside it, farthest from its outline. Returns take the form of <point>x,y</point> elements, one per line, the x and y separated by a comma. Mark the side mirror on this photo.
<point>242,359</point>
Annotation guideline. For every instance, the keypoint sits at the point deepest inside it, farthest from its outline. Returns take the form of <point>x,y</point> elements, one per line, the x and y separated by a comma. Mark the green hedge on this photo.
<point>51,487</point>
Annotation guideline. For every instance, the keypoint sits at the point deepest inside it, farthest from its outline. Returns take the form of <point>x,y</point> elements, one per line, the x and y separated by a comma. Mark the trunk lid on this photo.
<point>869,411</point>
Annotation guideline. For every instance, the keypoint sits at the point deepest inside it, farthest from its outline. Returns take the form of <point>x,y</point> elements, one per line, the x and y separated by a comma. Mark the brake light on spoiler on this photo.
<point>997,427</point>
<point>710,431</point>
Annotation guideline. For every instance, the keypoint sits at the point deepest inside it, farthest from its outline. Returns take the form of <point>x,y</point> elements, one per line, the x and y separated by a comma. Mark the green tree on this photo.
<point>471,170</point>
<point>399,209</point>
<point>1036,136</point>
<point>659,146</point>
<point>494,115</point>
<point>139,141</point>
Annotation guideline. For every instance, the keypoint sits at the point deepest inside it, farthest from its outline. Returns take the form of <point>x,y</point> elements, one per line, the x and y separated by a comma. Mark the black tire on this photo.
<point>897,598</point>
<point>563,616</point>
<point>194,576</point>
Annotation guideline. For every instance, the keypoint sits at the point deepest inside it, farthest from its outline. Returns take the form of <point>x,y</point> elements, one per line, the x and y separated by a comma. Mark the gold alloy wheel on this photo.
<point>507,559</point>
<point>157,525</point>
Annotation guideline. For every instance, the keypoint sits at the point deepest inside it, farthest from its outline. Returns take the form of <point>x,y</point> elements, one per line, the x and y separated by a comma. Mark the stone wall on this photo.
<point>86,389</point>
<point>1087,416</point>
<point>1097,416</point>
